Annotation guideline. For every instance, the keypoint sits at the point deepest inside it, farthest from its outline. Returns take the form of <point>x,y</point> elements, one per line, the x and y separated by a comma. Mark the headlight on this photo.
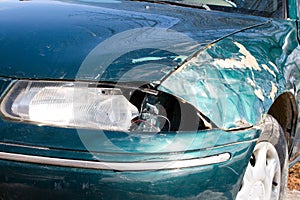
<point>68,104</point>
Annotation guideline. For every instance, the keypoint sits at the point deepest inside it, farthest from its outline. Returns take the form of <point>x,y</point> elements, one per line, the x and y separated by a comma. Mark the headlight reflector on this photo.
<point>69,104</point>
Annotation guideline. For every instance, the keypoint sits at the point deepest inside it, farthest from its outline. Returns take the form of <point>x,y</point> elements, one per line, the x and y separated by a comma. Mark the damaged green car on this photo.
<point>125,99</point>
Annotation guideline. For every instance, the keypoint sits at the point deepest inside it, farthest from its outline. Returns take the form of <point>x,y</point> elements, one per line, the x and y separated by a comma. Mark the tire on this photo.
<point>266,174</point>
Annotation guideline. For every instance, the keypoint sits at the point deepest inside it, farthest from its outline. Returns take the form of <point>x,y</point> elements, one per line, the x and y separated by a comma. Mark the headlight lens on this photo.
<point>69,104</point>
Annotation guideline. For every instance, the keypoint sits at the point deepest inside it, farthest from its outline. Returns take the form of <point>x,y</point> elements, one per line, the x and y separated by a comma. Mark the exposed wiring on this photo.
<point>147,123</point>
<point>151,125</point>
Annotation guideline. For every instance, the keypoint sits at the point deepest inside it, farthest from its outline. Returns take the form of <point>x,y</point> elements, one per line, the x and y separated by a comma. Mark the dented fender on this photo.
<point>236,80</point>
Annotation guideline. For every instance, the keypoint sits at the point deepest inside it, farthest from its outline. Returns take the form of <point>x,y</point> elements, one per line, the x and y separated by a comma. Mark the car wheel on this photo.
<point>266,174</point>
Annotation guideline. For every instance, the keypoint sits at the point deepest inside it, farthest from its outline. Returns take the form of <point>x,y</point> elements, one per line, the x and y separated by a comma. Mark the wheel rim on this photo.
<point>262,176</point>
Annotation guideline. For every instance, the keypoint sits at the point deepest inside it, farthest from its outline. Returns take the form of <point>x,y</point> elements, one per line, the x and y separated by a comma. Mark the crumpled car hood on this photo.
<point>125,41</point>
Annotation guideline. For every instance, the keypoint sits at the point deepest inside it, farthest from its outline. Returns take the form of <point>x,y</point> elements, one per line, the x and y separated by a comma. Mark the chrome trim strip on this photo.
<point>23,145</point>
<point>119,166</point>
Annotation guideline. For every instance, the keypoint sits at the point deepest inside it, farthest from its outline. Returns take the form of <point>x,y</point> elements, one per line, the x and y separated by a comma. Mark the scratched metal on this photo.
<point>243,63</point>
<point>235,81</point>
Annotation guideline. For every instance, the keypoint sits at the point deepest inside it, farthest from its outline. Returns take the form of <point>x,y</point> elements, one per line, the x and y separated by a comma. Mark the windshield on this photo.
<point>266,8</point>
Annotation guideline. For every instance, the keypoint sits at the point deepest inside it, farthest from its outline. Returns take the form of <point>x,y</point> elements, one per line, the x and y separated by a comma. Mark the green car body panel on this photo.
<point>232,68</point>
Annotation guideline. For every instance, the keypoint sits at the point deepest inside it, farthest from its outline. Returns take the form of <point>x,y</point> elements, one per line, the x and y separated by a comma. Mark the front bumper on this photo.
<point>25,179</point>
<point>53,162</point>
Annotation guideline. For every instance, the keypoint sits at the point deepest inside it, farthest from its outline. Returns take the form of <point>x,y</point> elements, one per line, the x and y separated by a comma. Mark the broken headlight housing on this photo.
<point>68,104</point>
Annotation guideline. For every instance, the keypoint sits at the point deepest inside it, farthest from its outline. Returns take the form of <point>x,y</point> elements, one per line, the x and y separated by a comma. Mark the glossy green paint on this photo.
<point>61,183</point>
<point>35,180</point>
<point>293,9</point>
<point>73,41</point>
<point>118,146</point>
<point>224,80</point>
<point>235,81</point>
